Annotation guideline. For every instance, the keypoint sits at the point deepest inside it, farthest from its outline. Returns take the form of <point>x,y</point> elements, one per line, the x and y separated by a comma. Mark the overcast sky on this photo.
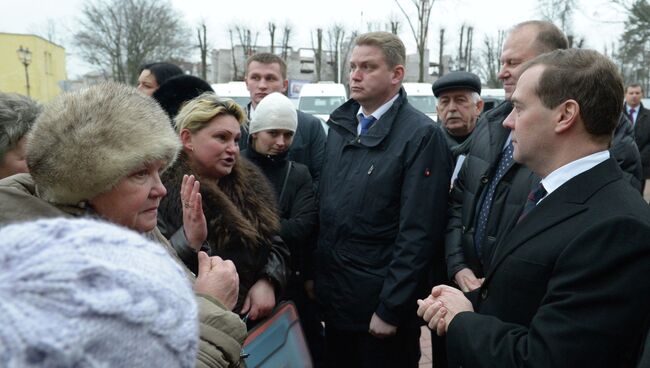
<point>597,20</point>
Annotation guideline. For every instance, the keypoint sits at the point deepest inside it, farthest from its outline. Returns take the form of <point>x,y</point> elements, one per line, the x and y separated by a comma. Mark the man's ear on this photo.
<point>568,115</point>
<point>479,106</point>
<point>398,74</point>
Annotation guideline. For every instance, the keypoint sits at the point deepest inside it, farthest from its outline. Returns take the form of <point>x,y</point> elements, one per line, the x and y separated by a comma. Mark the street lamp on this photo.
<point>25,57</point>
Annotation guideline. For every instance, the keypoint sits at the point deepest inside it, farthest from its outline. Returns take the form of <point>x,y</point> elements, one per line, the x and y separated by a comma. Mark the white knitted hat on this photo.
<point>275,111</point>
<point>82,293</point>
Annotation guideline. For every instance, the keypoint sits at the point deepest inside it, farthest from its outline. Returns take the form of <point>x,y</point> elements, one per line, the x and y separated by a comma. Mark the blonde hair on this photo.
<point>197,113</point>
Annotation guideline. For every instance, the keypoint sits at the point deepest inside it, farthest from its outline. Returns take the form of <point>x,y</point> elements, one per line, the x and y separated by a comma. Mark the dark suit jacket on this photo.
<point>568,286</point>
<point>642,138</point>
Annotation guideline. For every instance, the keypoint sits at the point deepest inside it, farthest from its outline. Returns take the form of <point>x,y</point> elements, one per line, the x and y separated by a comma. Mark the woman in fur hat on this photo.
<point>99,152</point>
<point>238,202</point>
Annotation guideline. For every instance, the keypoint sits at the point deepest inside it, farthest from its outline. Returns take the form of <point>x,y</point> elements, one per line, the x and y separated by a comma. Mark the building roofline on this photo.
<point>32,35</point>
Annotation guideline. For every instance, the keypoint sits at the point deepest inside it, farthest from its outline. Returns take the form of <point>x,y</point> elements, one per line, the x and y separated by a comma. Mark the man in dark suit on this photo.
<point>568,286</point>
<point>640,118</point>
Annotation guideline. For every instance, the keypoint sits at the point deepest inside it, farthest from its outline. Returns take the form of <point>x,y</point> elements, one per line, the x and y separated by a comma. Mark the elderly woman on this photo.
<point>99,152</point>
<point>17,115</point>
<point>239,204</point>
<point>153,75</point>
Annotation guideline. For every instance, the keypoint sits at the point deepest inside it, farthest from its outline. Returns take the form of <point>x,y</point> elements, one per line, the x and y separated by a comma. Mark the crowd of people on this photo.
<point>155,226</point>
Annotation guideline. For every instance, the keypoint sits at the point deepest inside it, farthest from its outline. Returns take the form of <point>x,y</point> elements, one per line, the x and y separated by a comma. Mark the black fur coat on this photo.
<point>243,223</point>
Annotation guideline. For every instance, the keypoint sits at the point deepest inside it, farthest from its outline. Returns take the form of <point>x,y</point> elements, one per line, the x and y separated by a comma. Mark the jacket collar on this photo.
<point>565,202</point>
<point>344,121</point>
<point>264,160</point>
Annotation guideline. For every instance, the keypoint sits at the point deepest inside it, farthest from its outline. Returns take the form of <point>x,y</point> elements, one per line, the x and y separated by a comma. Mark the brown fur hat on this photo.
<point>86,141</point>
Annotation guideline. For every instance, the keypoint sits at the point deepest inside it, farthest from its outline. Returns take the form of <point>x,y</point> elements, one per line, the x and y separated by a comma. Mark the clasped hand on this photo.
<point>440,308</point>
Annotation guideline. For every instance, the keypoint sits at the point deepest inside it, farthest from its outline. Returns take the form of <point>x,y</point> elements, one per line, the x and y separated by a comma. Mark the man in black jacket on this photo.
<point>640,118</point>
<point>558,290</point>
<point>382,216</point>
<point>491,189</point>
<point>267,73</point>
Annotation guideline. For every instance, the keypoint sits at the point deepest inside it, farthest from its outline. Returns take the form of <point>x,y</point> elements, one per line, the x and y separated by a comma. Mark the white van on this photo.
<point>320,99</point>
<point>492,97</point>
<point>235,91</point>
<point>420,95</point>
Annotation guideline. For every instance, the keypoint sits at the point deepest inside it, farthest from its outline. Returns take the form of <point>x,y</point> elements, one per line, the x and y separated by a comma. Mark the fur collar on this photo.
<point>241,208</point>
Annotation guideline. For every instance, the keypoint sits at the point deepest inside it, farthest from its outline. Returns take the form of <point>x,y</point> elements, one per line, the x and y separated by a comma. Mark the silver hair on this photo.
<point>17,115</point>
<point>476,97</point>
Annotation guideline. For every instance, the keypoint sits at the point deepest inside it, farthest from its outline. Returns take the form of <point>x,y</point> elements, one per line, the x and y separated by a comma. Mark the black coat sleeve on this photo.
<point>593,308</point>
<point>454,254</point>
<point>422,219</point>
<point>626,153</point>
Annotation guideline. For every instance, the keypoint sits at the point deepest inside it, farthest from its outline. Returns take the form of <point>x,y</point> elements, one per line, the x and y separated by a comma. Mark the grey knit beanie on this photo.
<point>275,111</point>
<point>82,293</point>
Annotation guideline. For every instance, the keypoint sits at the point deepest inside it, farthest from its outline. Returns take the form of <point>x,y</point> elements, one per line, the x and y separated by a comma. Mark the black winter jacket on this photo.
<point>297,203</point>
<point>489,139</point>
<point>382,206</point>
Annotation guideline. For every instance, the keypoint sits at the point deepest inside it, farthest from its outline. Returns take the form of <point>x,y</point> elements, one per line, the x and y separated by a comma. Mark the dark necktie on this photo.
<point>366,123</point>
<point>486,205</point>
<point>533,197</point>
<point>631,115</point>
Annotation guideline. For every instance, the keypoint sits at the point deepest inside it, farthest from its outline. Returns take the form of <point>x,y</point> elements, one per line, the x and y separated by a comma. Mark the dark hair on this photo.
<point>587,77</point>
<point>174,93</point>
<point>162,71</point>
<point>268,58</point>
<point>549,36</point>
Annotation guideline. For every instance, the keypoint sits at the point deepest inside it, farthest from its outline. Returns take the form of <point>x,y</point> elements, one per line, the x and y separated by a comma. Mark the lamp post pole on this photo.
<point>25,57</point>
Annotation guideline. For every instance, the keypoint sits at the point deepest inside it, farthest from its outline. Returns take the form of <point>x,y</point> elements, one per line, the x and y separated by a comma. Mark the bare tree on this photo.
<point>490,65</point>
<point>394,24</point>
<point>118,36</point>
<point>318,52</point>
<point>272,27</point>
<point>559,12</point>
<point>465,48</point>
<point>420,30</point>
<point>235,72</point>
<point>49,30</point>
<point>286,37</point>
<point>441,53</point>
<point>634,44</point>
<point>335,38</point>
<point>247,40</point>
<point>203,48</point>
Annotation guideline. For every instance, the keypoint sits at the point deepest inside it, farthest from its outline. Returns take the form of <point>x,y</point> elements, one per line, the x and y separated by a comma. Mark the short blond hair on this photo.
<point>197,113</point>
<point>390,45</point>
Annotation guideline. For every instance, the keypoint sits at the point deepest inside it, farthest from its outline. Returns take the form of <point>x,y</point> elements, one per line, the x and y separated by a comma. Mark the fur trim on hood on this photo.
<point>85,142</point>
<point>241,208</point>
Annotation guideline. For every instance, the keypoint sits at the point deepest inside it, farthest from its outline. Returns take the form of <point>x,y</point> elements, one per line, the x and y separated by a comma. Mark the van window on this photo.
<point>426,104</point>
<point>320,105</point>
